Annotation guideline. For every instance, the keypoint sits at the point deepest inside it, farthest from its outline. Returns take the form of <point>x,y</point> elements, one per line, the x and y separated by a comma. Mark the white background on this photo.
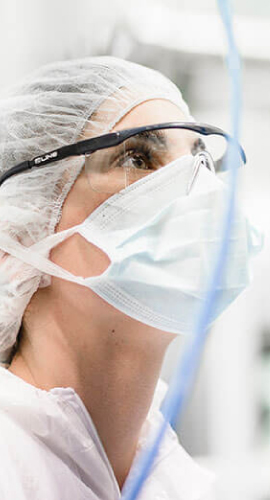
<point>222,425</point>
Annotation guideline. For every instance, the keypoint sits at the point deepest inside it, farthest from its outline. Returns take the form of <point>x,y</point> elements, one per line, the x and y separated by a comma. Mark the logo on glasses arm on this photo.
<point>42,159</point>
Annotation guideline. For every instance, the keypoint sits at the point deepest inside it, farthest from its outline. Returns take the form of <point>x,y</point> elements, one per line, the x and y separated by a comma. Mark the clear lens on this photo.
<point>112,169</point>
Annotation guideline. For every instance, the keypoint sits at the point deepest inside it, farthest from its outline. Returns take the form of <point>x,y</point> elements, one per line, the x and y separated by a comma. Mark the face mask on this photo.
<point>162,244</point>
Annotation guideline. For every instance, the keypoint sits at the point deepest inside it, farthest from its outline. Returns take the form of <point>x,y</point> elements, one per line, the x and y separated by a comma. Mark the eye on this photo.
<point>136,160</point>
<point>139,159</point>
<point>198,146</point>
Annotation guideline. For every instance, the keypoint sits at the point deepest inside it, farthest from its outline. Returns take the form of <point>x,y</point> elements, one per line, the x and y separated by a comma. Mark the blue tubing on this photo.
<point>188,363</point>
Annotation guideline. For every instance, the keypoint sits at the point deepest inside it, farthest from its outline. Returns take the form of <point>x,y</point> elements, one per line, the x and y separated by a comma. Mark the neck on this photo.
<point>114,373</point>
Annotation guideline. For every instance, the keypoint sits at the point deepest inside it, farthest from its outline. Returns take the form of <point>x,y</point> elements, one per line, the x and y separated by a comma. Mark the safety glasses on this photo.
<point>115,160</point>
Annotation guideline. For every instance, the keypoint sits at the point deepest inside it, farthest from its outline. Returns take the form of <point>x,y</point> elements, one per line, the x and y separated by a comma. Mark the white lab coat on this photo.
<point>50,450</point>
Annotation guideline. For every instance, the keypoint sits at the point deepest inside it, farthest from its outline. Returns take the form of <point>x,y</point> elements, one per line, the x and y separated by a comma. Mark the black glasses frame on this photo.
<point>109,140</point>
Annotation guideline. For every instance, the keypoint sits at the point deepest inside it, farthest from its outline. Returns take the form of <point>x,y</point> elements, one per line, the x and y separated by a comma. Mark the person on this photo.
<point>80,376</point>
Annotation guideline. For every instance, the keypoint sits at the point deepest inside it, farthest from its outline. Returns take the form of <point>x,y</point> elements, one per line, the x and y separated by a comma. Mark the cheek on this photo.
<point>80,202</point>
<point>84,259</point>
<point>75,254</point>
<point>80,257</point>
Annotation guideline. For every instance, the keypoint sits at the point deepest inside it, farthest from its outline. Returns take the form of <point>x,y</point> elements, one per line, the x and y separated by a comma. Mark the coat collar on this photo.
<point>60,420</point>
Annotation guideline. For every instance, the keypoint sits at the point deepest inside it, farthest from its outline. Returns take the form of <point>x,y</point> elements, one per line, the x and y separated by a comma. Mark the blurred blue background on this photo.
<point>226,425</point>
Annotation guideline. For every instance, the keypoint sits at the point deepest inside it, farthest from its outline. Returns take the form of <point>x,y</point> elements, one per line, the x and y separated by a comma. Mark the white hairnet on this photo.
<point>49,109</point>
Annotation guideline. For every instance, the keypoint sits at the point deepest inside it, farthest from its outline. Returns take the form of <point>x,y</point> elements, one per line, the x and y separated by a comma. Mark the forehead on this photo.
<point>151,112</point>
<point>148,112</point>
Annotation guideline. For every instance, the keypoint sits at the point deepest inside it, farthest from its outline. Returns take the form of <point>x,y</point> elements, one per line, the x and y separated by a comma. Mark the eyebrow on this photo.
<point>155,136</point>
<point>158,137</point>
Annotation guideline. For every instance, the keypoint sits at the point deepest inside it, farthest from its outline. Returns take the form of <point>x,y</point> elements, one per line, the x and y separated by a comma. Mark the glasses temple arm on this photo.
<point>42,160</point>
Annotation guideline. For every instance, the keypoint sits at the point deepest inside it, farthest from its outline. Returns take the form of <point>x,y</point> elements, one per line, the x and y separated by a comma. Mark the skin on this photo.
<point>73,338</point>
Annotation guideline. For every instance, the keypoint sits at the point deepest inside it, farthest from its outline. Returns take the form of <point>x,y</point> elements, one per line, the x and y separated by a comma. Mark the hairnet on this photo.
<point>48,109</point>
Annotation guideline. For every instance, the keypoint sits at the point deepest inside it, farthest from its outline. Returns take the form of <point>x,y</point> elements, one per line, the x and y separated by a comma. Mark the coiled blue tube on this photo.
<point>187,365</point>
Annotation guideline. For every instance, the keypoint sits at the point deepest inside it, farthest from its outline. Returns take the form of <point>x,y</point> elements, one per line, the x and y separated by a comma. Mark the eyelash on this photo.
<point>140,150</point>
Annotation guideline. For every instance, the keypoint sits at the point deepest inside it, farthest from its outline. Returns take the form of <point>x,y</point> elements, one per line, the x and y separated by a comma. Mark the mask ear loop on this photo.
<point>35,255</point>
<point>203,158</point>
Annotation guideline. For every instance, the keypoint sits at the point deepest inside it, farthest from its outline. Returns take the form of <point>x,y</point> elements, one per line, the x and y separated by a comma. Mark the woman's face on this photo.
<point>76,254</point>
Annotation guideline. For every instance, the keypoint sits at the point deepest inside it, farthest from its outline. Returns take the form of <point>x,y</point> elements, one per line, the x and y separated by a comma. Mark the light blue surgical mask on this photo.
<point>162,243</point>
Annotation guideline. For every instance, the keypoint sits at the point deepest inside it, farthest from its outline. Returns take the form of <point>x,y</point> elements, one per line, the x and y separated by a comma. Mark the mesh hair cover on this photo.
<point>49,109</point>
